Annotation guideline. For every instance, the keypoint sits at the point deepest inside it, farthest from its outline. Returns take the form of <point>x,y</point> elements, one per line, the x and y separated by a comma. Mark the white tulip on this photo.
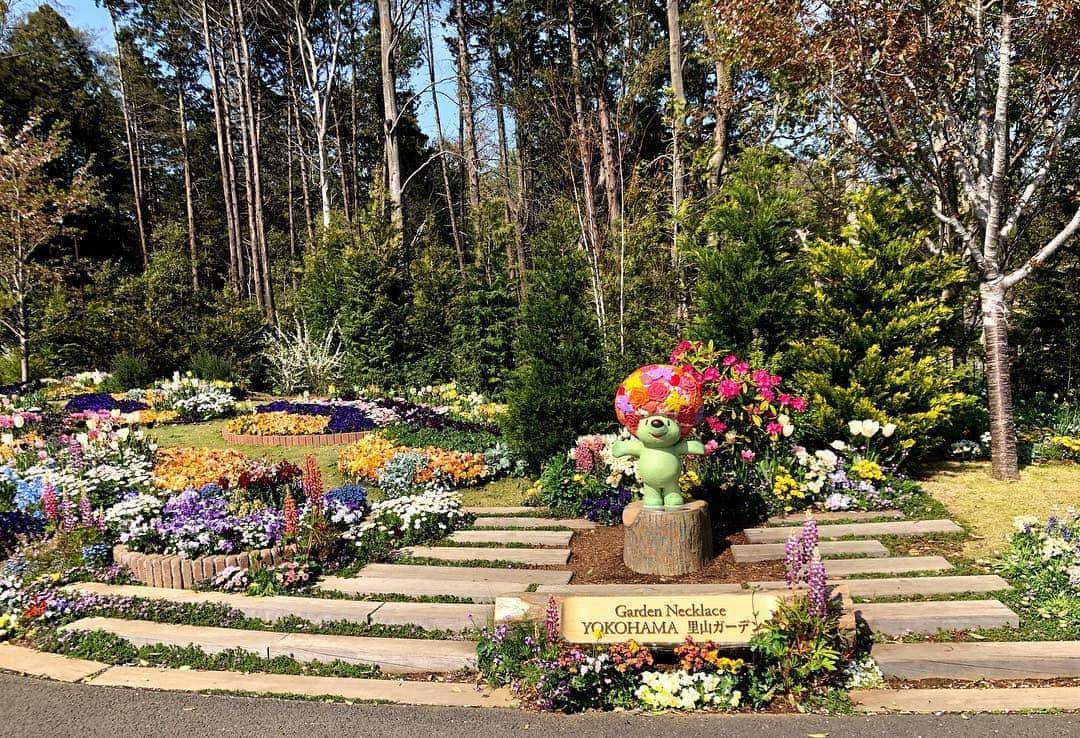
<point>870,427</point>
<point>839,445</point>
<point>18,421</point>
<point>888,430</point>
<point>855,427</point>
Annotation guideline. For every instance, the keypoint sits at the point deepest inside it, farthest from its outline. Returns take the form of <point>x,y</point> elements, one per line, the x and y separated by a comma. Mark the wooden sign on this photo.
<point>722,618</point>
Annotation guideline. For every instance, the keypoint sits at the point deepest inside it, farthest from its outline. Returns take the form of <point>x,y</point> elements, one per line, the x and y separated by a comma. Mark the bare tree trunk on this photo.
<point>219,129</point>
<point>722,114</point>
<point>188,204</point>
<point>289,122</point>
<point>590,229</point>
<point>499,101</point>
<point>387,41</point>
<point>612,183</point>
<point>136,181</point>
<point>678,183</point>
<point>468,116</point>
<point>520,208</point>
<point>263,281</point>
<point>459,247</point>
<point>305,180</point>
<point>24,337</point>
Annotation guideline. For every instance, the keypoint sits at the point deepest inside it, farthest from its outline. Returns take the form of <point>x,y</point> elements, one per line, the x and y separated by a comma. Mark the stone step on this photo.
<point>49,665</point>
<point>391,655</point>
<point>828,517</point>
<point>523,537</point>
<point>265,608</point>
<point>636,590</point>
<point>477,591</point>
<point>511,510</point>
<point>530,556</point>
<point>747,553</point>
<point>431,616</point>
<point>901,618</point>
<point>979,660</point>
<point>464,573</point>
<point>966,700</point>
<point>888,565</point>
<point>399,691</point>
<point>910,586</point>
<point>528,523</point>
<point>843,530</point>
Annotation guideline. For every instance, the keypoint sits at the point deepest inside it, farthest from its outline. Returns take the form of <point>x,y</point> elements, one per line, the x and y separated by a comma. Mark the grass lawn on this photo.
<point>208,435</point>
<point>989,506</point>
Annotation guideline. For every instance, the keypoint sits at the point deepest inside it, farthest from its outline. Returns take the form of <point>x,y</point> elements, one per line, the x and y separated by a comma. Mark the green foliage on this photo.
<point>482,333</point>
<point>878,323</point>
<point>476,442</point>
<point>745,295</point>
<point>129,370</point>
<point>797,654</point>
<point>559,389</point>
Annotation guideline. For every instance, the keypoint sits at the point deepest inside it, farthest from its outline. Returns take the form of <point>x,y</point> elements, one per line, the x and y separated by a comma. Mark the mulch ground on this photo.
<point>597,558</point>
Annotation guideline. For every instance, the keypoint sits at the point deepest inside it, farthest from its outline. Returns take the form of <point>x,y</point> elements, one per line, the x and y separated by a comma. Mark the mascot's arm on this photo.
<point>695,447</point>
<point>631,447</point>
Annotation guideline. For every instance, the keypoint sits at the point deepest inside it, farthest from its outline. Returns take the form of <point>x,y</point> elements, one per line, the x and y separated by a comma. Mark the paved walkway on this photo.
<point>33,707</point>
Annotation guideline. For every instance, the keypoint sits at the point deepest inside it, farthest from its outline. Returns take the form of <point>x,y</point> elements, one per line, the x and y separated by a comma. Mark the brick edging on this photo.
<point>177,572</point>
<point>314,439</point>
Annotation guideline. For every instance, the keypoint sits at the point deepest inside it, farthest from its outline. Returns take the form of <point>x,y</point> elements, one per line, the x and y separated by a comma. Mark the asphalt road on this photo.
<point>34,707</point>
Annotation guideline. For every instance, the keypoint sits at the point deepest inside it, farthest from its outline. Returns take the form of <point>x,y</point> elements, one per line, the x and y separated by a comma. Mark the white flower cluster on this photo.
<point>818,465</point>
<point>967,449</point>
<point>863,674</point>
<point>868,428</point>
<point>681,690</point>
<point>134,519</point>
<point>190,397</point>
<point>438,512</point>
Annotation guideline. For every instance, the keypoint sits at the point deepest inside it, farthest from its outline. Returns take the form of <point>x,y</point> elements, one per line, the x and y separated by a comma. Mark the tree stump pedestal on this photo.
<point>667,542</point>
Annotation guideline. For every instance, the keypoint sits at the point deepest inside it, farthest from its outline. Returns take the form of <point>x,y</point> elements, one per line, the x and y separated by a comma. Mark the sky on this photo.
<point>88,16</point>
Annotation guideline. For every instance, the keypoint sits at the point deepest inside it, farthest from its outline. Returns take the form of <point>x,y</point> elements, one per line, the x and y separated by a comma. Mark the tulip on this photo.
<point>888,430</point>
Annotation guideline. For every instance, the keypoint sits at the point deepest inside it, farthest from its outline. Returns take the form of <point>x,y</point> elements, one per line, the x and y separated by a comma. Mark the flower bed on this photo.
<point>182,398</point>
<point>177,469</point>
<point>369,458</point>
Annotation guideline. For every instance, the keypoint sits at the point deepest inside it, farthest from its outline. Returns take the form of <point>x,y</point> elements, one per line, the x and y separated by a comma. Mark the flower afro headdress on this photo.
<point>659,389</point>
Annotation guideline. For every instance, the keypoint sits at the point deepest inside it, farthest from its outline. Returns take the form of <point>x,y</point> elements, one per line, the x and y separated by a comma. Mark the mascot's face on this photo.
<point>658,431</point>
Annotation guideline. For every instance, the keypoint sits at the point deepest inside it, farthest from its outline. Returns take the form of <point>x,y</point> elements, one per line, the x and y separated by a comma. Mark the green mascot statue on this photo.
<point>659,404</point>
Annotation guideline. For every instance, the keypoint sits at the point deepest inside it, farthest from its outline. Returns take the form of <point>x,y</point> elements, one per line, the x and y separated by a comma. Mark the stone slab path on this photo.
<point>901,618</point>
<point>887,565</point>
<point>465,573</point>
<point>979,660</point>
<point>530,556</point>
<point>477,591</point>
<point>925,586</point>
<point>521,537</point>
<point>843,530</point>
<point>430,616</point>
<point>391,655</point>
<point>530,523</point>
<point>49,665</point>
<point>519,510</point>
<point>824,517</point>
<point>966,700</point>
<point>747,553</point>
<point>442,694</point>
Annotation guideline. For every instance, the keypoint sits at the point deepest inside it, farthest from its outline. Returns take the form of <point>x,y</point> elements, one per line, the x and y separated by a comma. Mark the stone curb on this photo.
<point>317,439</point>
<point>442,694</point>
<point>178,572</point>
<point>966,700</point>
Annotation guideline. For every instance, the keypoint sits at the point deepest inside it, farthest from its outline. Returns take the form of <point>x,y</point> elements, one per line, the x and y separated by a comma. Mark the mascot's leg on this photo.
<point>673,499</point>
<point>651,497</point>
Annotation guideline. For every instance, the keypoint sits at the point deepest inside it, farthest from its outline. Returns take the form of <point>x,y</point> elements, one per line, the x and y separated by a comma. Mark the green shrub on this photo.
<point>559,389</point>
<point>211,366</point>
<point>880,329</point>
<point>475,442</point>
<point>128,371</point>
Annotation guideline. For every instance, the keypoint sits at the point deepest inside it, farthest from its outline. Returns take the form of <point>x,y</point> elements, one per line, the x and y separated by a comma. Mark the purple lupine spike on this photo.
<point>551,620</point>
<point>67,513</point>
<point>810,539</point>
<point>86,511</point>
<point>793,559</point>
